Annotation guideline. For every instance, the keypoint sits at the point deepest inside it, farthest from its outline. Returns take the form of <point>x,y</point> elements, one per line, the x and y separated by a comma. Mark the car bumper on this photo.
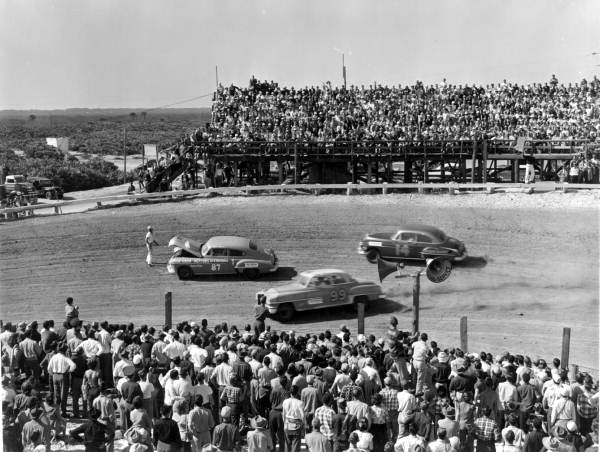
<point>462,257</point>
<point>274,269</point>
<point>170,268</point>
<point>272,308</point>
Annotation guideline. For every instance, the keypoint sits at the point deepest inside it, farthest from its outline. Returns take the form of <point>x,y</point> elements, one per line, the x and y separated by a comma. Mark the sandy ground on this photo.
<point>541,273</point>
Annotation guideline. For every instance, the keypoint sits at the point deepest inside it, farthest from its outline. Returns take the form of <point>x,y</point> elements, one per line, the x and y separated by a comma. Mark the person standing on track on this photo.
<point>150,242</point>
<point>260,314</point>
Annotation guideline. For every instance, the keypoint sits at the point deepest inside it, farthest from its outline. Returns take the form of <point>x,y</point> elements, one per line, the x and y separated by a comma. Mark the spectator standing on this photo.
<point>150,242</point>
<point>260,314</point>
<point>293,420</point>
<point>226,436</point>
<point>71,312</point>
<point>166,432</point>
<point>60,367</point>
<point>315,440</point>
<point>486,432</point>
<point>259,440</point>
<point>97,436</point>
<point>200,423</point>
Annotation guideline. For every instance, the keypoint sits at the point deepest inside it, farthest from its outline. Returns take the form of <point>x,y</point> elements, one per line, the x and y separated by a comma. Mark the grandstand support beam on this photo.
<point>474,161</point>
<point>295,163</point>
<point>484,161</point>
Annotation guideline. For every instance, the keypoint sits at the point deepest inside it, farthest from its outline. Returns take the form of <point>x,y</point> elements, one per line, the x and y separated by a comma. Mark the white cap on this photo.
<point>149,227</point>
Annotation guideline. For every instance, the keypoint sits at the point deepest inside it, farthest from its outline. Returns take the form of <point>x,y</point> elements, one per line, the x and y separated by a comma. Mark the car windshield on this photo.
<point>304,280</point>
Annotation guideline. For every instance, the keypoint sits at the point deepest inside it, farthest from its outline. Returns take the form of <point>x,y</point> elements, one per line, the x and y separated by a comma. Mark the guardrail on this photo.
<point>315,189</point>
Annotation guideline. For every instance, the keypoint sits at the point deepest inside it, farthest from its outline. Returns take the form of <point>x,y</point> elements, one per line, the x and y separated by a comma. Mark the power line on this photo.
<point>181,102</point>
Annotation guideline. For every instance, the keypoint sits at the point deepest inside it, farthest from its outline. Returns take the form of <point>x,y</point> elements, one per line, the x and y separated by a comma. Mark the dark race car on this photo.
<point>412,243</point>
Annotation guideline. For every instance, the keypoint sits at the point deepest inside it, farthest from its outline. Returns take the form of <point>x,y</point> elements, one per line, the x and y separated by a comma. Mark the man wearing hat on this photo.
<point>150,242</point>
<point>259,440</point>
<point>39,422</point>
<point>449,423</point>
<point>129,390</point>
<point>226,436</point>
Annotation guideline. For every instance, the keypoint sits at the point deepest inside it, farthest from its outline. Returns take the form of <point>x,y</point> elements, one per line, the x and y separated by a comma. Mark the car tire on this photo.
<point>373,255</point>
<point>285,312</point>
<point>251,273</point>
<point>184,272</point>
<point>48,195</point>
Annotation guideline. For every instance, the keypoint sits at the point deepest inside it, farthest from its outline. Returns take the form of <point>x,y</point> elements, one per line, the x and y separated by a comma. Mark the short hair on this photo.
<point>442,433</point>
<point>510,436</point>
<point>165,410</point>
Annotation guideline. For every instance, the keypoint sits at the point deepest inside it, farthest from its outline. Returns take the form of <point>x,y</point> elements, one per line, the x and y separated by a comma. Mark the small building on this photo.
<point>60,143</point>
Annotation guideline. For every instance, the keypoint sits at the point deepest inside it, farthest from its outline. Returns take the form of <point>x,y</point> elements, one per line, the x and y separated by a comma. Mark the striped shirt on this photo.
<point>325,416</point>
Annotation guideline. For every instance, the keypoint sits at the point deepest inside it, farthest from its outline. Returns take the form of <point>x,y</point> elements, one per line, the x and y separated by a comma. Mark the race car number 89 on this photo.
<point>338,295</point>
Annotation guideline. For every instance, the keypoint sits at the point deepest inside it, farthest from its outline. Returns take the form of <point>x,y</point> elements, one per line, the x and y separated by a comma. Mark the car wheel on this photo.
<point>372,256</point>
<point>251,273</point>
<point>285,312</point>
<point>48,195</point>
<point>184,272</point>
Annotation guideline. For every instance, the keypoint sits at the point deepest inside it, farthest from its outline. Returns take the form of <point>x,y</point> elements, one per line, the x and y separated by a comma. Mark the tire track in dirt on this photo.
<point>542,272</point>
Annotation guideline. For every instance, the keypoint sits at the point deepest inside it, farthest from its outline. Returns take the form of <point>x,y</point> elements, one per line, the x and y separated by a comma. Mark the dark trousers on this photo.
<point>293,440</point>
<point>60,383</point>
<point>485,446</point>
<point>340,446</point>
<point>76,394</point>
<point>31,367</point>
<point>276,427</point>
<point>105,362</point>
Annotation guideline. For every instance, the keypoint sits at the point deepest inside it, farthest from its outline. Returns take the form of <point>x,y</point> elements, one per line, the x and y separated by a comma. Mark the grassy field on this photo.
<point>98,131</point>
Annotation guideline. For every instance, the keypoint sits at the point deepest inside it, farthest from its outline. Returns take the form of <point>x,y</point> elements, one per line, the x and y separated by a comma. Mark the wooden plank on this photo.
<point>416,292</point>
<point>168,309</point>
<point>464,342</point>
<point>566,343</point>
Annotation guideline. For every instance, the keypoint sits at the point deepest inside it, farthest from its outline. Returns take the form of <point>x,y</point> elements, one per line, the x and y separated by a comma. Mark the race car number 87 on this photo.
<point>215,267</point>
<point>338,295</point>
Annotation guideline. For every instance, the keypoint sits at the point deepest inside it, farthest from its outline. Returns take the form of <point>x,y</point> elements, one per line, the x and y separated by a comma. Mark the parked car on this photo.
<point>412,242</point>
<point>318,289</point>
<point>221,255</point>
<point>45,188</point>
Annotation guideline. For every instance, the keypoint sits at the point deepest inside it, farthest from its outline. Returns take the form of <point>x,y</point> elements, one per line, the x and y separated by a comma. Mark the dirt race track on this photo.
<point>541,273</point>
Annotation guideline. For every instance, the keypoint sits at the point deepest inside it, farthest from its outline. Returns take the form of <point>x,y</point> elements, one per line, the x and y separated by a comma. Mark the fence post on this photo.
<point>349,188</point>
<point>464,343</point>
<point>360,306</point>
<point>384,190</point>
<point>416,290</point>
<point>168,309</point>
<point>566,342</point>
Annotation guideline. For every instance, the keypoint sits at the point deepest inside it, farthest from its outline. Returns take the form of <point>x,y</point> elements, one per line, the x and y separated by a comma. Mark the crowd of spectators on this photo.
<point>264,111</point>
<point>193,388</point>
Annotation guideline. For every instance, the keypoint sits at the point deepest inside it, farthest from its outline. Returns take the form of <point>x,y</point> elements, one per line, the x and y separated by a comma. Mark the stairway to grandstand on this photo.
<point>164,176</point>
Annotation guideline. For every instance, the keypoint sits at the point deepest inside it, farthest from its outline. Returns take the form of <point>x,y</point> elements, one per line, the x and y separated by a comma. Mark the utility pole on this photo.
<point>217,76</point>
<point>344,70</point>
<point>124,155</point>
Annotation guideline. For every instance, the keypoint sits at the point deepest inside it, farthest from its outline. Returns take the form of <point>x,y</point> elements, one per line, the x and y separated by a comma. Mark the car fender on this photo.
<point>437,252</point>
<point>249,263</point>
<point>369,289</point>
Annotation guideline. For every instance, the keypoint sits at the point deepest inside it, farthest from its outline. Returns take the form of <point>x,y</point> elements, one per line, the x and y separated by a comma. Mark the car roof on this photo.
<point>415,227</point>
<point>321,271</point>
<point>228,241</point>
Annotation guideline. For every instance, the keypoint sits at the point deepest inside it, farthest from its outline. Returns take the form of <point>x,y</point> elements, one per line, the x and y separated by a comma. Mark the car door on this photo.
<point>340,287</point>
<point>213,263</point>
<point>423,241</point>
<point>314,295</point>
<point>407,247</point>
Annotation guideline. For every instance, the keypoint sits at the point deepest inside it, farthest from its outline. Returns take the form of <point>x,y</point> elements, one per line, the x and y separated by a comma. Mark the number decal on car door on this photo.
<point>337,295</point>
<point>215,267</point>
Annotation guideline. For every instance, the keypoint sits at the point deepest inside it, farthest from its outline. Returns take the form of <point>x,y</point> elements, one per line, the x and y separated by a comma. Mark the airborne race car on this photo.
<point>318,289</point>
<point>414,244</point>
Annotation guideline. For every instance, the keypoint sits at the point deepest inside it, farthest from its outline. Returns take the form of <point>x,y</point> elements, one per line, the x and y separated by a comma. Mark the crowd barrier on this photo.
<point>316,189</point>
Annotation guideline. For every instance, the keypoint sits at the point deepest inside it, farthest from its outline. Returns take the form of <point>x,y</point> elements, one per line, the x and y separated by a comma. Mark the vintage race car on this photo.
<point>318,289</point>
<point>412,242</point>
<point>221,255</point>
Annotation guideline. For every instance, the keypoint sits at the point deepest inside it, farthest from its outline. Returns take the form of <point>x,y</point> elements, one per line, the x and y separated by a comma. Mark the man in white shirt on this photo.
<point>175,348</point>
<point>91,347</point>
<point>419,359</point>
<point>407,405</point>
<point>293,420</point>
<point>150,242</point>
<point>197,354</point>
<point>60,367</point>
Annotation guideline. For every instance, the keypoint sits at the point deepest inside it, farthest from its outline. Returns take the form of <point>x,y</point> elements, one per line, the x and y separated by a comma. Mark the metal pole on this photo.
<point>217,76</point>
<point>344,70</point>
<point>416,290</point>
<point>295,163</point>
<point>360,305</point>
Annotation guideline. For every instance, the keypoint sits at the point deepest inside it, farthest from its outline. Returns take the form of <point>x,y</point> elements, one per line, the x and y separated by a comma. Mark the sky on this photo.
<point>58,54</point>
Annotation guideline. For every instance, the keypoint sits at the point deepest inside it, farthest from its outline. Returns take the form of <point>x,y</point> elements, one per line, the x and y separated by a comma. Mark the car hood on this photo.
<point>379,236</point>
<point>192,246</point>
<point>285,289</point>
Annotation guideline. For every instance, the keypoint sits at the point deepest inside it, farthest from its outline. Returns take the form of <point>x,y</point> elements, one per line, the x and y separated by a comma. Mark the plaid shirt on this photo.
<point>325,416</point>
<point>389,399</point>
<point>231,394</point>
<point>585,407</point>
<point>486,429</point>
